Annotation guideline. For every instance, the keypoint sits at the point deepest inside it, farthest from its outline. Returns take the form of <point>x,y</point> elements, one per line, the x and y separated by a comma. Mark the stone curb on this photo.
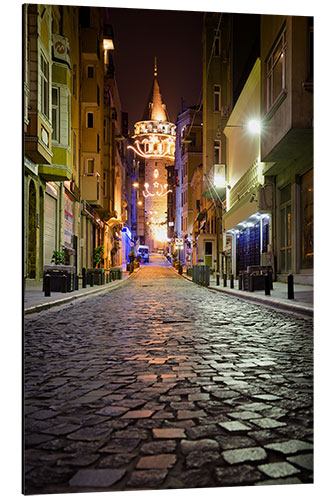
<point>255,298</point>
<point>65,300</point>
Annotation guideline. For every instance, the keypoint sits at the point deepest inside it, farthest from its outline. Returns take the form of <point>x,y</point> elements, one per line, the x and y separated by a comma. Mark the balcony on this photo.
<point>54,172</point>
<point>91,190</point>
<point>37,141</point>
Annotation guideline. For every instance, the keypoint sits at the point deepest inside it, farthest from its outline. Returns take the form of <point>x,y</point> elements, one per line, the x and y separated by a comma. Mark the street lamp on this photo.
<point>253,126</point>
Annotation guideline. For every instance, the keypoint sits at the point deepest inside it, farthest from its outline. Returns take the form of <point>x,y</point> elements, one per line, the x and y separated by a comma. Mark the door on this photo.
<point>50,227</point>
<point>209,253</point>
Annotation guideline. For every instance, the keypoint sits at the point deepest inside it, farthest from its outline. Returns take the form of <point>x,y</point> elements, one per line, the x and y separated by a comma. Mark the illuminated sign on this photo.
<point>155,146</point>
<point>219,175</point>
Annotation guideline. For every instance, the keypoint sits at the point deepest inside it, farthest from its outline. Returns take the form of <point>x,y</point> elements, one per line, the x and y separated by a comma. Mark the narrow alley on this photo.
<point>163,384</point>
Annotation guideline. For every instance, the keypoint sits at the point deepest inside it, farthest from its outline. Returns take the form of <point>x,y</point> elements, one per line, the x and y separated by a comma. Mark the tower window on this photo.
<point>90,120</point>
<point>217,97</point>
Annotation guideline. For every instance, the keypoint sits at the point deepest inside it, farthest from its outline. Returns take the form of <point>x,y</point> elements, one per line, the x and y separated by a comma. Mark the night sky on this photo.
<point>174,37</point>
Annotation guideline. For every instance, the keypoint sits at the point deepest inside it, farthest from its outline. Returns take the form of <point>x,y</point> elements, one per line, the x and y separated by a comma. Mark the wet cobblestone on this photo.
<point>164,384</point>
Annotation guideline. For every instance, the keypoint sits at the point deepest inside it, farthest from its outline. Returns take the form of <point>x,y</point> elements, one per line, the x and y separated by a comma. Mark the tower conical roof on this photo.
<point>155,109</point>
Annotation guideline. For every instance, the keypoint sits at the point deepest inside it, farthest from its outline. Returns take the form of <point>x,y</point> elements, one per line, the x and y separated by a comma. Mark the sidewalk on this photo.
<point>35,300</point>
<point>302,302</point>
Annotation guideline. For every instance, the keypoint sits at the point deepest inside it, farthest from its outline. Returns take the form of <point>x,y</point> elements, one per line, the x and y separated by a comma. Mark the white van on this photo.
<point>143,251</point>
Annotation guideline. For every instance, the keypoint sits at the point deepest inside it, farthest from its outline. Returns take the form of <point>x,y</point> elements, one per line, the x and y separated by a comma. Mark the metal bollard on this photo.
<point>217,279</point>
<point>76,278</point>
<point>240,282</point>
<point>224,280</point>
<point>267,285</point>
<point>231,280</point>
<point>84,278</point>
<point>47,285</point>
<point>63,278</point>
<point>290,286</point>
<point>91,279</point>
<point>251,283</point>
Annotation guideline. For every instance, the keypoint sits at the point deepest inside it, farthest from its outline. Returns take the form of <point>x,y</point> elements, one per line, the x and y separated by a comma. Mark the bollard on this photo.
<point>76,282</point>
<point>231,280</point>
<point>99,278</point>
<point>267,285</point>
<point>84,278</point>
<point>47,285</point>
<point>91,275</point>
<point>217,279</point>
<point>63,278</point>
<point>251,283</point>
<point>224,280</point>
<point>240,282</point>
<point>290,286</point>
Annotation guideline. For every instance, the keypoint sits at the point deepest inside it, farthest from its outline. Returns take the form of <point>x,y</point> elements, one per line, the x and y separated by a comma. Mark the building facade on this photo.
<point>230,44</point>
<point>75,174</point>
<point>188,158</point>
<point>287,140</point>
<point>247,221</point>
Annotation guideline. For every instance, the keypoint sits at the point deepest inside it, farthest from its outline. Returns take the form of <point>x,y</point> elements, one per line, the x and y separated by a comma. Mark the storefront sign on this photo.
<point>68,221</point>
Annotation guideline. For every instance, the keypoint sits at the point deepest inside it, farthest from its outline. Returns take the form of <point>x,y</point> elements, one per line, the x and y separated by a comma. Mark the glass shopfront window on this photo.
<point>306,187</point>
<point>285,229</point>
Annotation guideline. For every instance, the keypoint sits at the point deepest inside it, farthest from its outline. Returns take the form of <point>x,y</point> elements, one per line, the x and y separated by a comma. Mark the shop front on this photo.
<point>250,244</point>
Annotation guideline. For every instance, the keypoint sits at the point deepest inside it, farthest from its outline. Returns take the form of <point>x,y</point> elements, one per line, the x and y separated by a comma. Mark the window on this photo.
<point>285,229</point>
<point>55,114</point>
<point>44,84</point>
<point>105,132</point>
<point>97,143</point>
<point>74,80</point>
<point>90,71</point>
<point>208,248</point>
<point>310,49</point>
<point>90,120</point>
<point>98,98</point>
<point>104,184</point>
<point>217,43</point>
<point>307,248</point>
<point>276,71</point>
<point>217,152</point>
<point>90,166</point>
<point>74,151</point>
<point>217,98</point>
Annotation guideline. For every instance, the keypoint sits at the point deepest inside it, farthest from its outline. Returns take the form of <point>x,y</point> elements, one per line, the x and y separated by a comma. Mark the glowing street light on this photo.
<point>254,126</point>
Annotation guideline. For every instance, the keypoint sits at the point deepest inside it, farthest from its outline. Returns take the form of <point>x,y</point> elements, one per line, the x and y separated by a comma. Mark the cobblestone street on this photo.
<point>163,384</point>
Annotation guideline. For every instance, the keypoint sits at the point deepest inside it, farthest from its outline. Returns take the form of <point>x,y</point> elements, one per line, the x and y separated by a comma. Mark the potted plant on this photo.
<point>58,258</point>
<point>98,255</point>
<point>57,270</point>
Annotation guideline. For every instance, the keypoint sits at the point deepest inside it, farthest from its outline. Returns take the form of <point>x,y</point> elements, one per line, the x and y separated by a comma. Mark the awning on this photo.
<point>200,216</point>
<point>216,193</point>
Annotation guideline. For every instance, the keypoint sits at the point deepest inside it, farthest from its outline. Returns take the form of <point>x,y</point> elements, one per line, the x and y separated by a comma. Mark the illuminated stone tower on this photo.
<point>154,144</point>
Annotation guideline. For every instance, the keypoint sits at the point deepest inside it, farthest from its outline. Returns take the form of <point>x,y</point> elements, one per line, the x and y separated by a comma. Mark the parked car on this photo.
<point>143,251</point>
